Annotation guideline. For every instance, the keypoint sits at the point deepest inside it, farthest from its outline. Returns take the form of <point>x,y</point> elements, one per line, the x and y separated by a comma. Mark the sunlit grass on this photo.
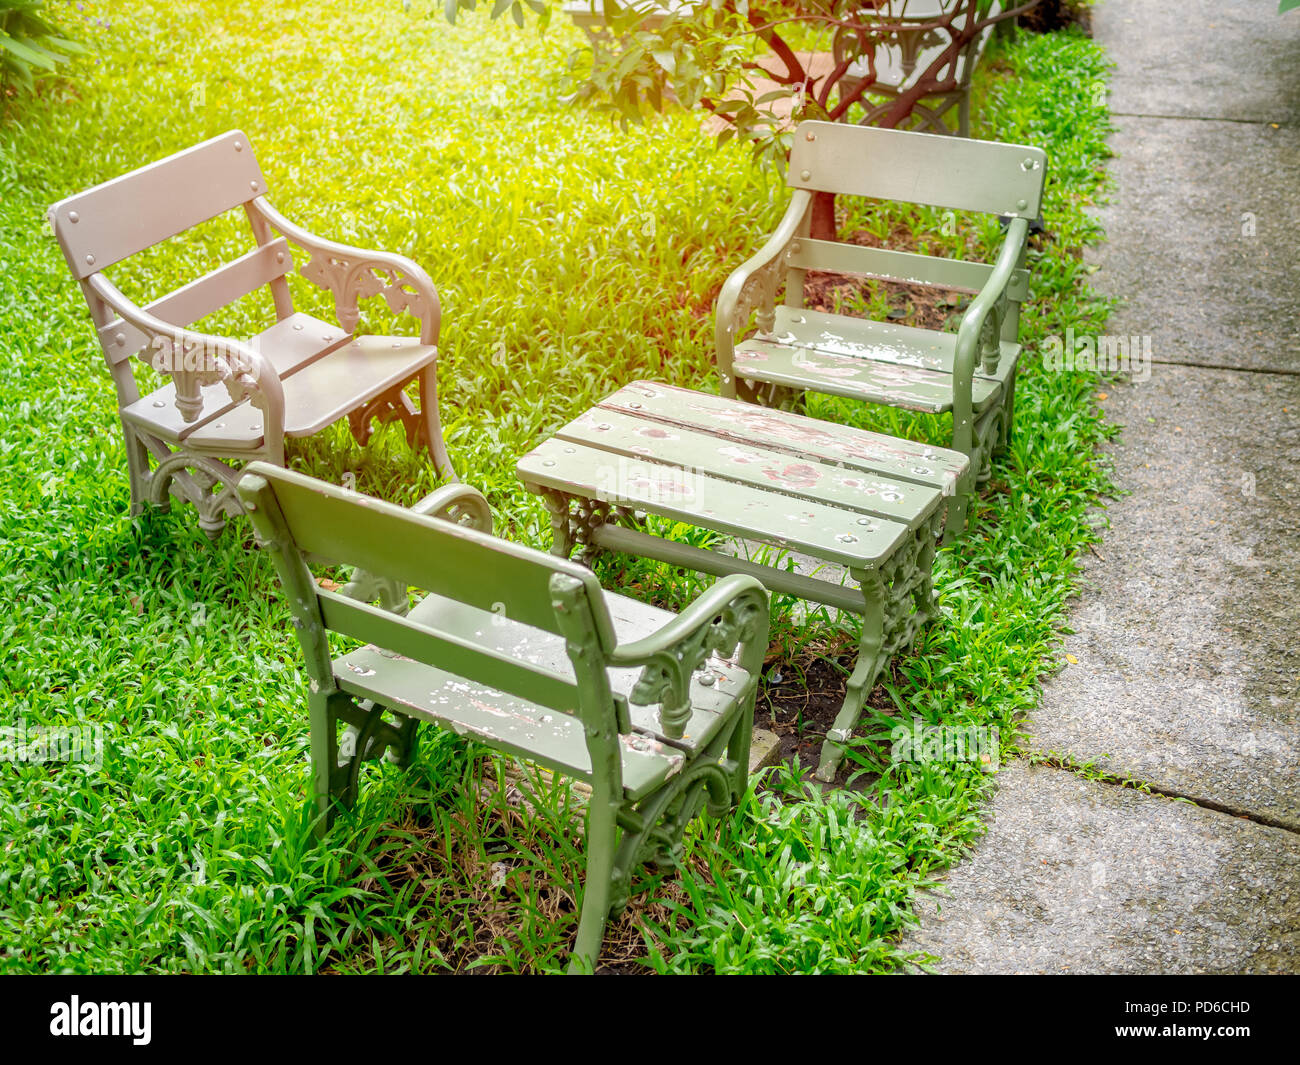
<point>571,258</point>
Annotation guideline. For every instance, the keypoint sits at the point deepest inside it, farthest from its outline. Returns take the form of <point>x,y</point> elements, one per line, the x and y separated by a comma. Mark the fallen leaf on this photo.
<point>1072,660</point>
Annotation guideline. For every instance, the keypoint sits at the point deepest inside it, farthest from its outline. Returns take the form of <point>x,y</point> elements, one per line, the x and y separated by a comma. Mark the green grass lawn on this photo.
<point>571,258</point>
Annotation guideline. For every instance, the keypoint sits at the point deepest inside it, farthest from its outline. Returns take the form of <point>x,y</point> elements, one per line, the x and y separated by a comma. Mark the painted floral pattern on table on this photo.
<point>795,475</point>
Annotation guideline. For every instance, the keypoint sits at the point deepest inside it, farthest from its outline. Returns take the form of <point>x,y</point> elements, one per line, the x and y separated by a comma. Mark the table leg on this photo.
<point>557,505</point>
<point>924,601</point>
<point>778,397</point>
<point>871,661</point>
<point>898,599</point>
<point>574,520</point>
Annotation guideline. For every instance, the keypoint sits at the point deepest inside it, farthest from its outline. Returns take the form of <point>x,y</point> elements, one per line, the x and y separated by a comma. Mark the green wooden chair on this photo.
<point>522,652</point>
<point>970,373</point>
<point>230,399</point>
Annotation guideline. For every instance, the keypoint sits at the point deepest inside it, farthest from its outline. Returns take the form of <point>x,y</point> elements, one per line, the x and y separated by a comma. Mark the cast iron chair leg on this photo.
<point>602,845</point>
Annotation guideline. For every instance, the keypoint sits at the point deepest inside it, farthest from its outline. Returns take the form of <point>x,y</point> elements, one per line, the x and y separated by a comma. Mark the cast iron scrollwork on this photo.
<point>758,296</point>
<point>198,478</point>
<point>666,676</point>
<point>652,834</point>
<point>574,521</point>
<point>351,274</point>
<point>351,279</point>
<point>368,736</point>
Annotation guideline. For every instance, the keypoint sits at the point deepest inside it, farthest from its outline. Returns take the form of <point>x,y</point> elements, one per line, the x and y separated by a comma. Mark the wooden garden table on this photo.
<point>870,505</point>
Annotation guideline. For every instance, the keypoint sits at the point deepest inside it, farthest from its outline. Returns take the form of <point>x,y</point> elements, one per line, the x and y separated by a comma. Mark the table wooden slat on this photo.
<point>828,532</point>
<point>702,453</point>
<point>791,434</point>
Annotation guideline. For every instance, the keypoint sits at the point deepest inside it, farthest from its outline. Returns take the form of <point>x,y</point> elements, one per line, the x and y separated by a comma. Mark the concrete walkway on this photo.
<point>1188,637</point>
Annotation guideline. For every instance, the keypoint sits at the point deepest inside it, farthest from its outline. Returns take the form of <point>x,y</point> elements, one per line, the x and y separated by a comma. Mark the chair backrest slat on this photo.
<point>122,217</point>
<point>902,266</point>
<point>201,297</point>
<point>922,168</point>
<point>474,568</point>
<point>451,653</point>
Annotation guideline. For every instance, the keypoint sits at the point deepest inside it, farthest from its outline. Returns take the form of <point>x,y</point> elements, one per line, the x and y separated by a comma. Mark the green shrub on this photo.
<point>30,42</point>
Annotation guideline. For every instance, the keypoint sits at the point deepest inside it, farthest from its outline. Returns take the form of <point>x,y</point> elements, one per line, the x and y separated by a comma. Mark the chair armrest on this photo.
<point>733,612</point>
<point>752,285</point>
<point>196,359</point>
<point>973,334</point>
<point>351,273</point>
<point>462,504</point>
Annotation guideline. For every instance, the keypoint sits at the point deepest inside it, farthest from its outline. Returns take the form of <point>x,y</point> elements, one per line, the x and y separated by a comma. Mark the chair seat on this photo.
<point>553,739</point>
<point>876,362</point>
<point>325,373</point>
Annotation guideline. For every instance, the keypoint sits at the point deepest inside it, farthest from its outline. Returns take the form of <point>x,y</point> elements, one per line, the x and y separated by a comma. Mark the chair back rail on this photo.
<point>450,651</point>
<point>201,297</point>
<point>921,168</point>
<point>120,218</point>
<point>388,541</point>
<point>885,264</point>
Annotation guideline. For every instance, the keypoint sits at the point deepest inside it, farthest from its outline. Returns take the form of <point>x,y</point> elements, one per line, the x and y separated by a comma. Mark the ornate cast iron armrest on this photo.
<point>734,611</point>
<point>351,273</point>
<point>197,359</point>
<point>980,332</point>
<point>459,503</point>
<point>752,285</point>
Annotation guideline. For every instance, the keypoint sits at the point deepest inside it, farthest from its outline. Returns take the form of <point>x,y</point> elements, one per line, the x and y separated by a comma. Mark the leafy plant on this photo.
<point>29,41</point>
<point>710,53</point>
<point>725,55</point>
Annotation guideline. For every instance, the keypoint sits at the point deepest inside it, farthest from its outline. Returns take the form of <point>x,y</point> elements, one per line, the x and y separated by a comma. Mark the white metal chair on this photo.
<point>229,399</point>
